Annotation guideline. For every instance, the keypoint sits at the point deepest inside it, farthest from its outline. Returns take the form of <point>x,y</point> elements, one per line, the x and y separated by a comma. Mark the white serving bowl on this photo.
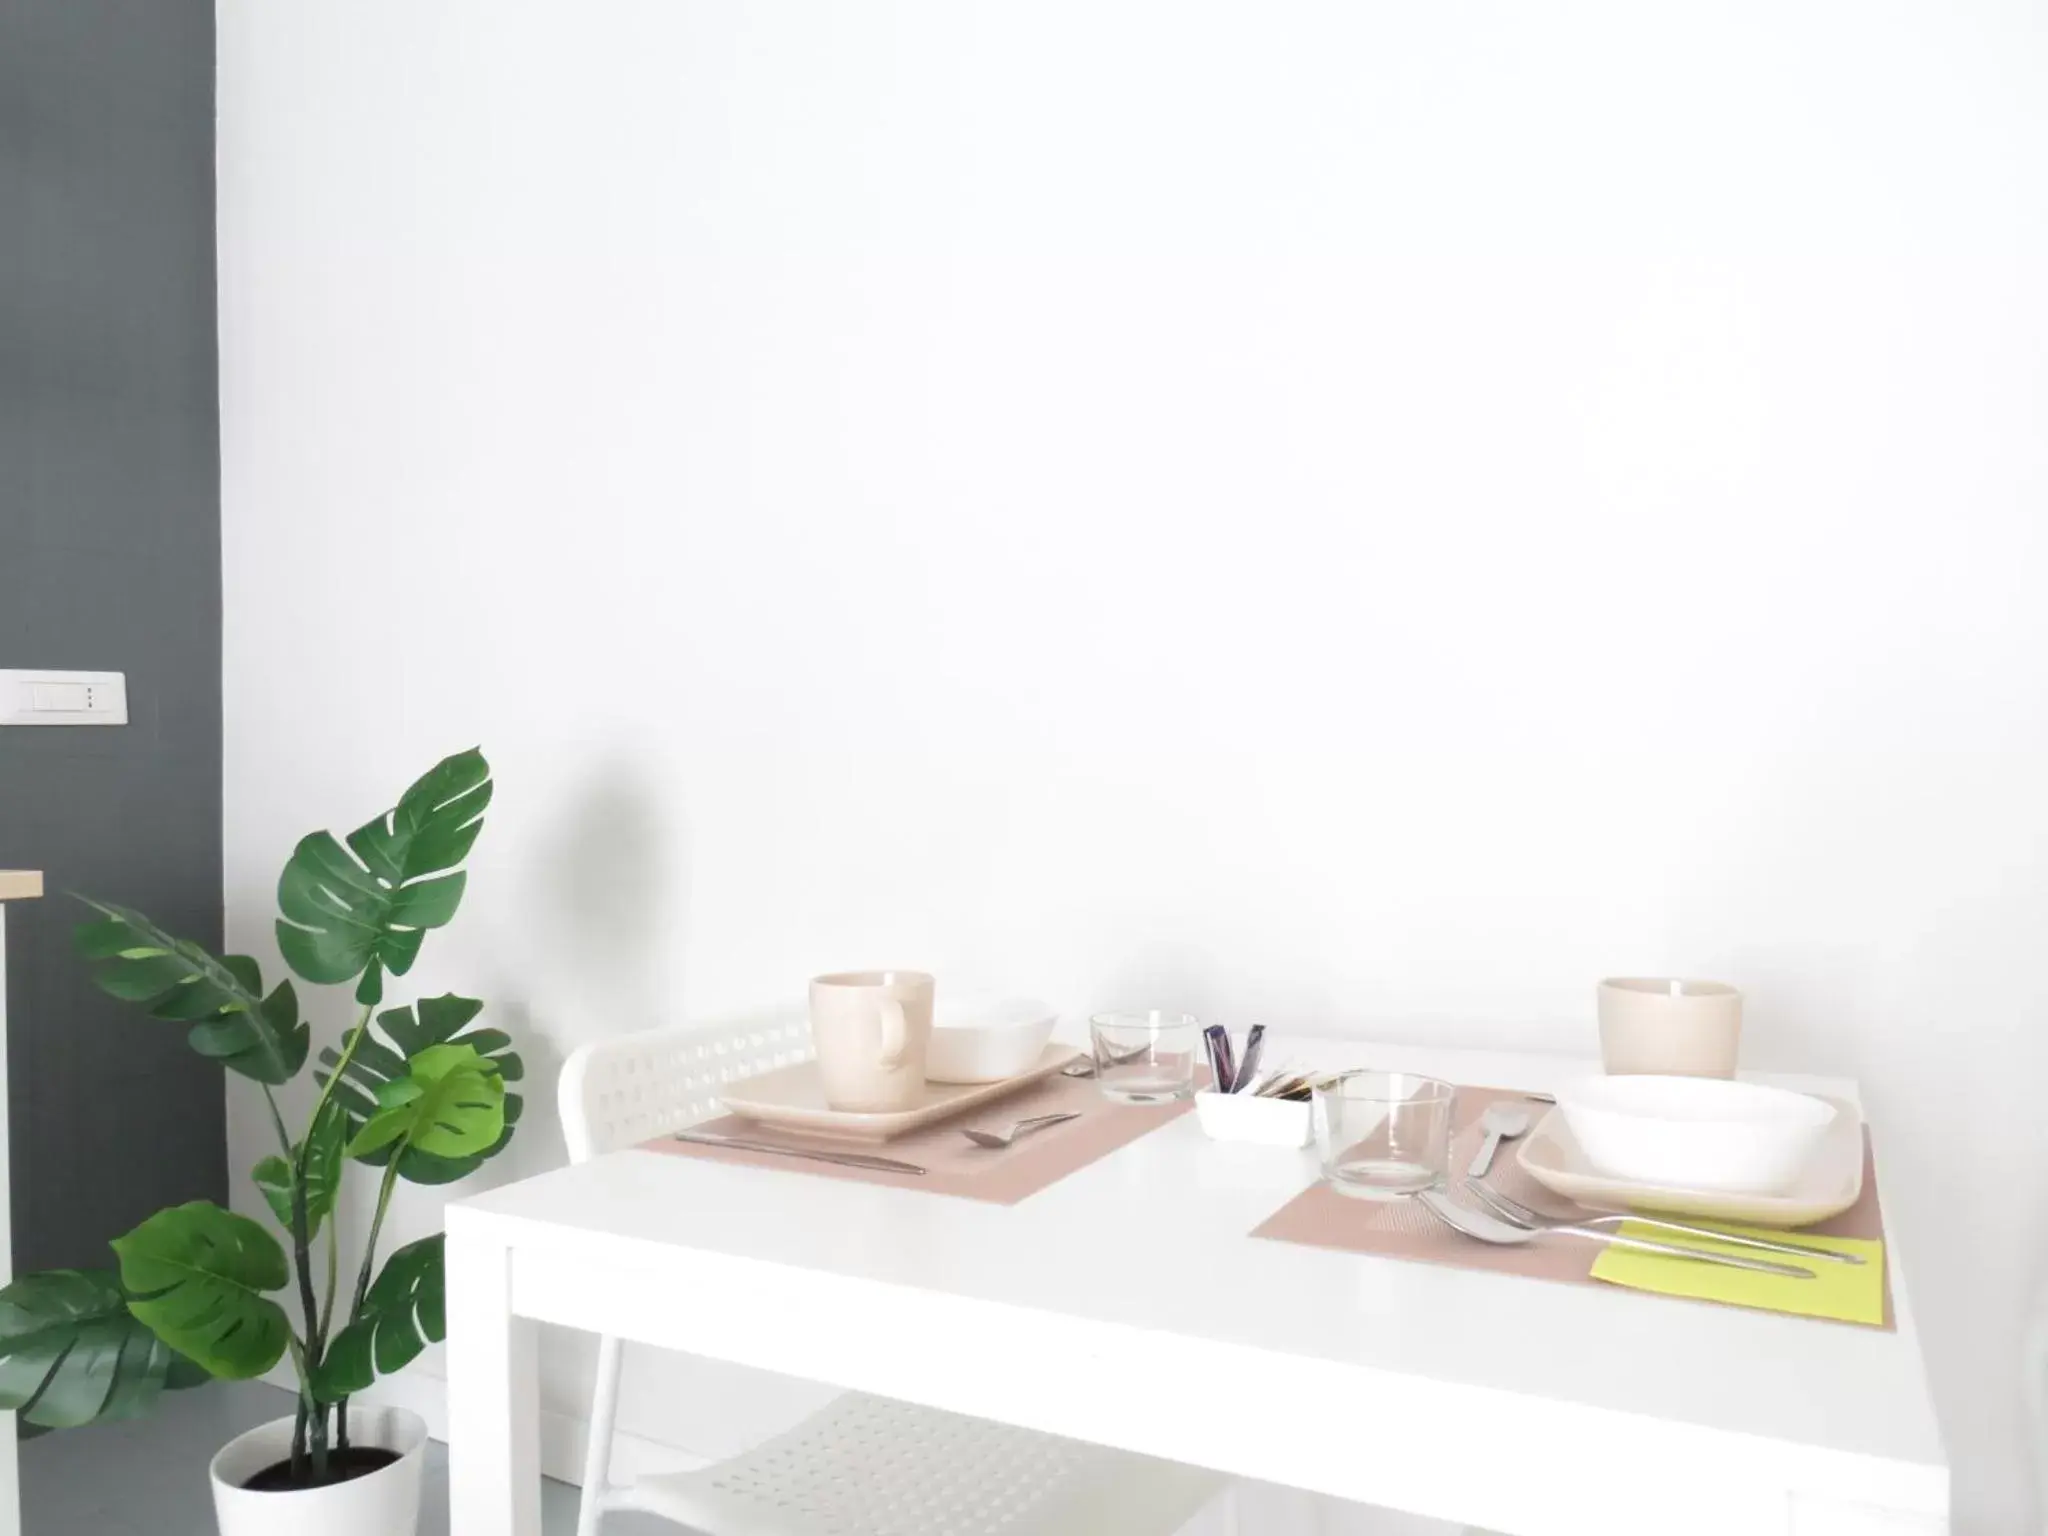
<point>981,1040</point>
<point>1695,1132</point>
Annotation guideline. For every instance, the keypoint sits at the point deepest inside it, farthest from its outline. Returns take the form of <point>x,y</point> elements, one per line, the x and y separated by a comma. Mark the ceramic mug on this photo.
<point>1669,1026</point>
<point>872,1030</point>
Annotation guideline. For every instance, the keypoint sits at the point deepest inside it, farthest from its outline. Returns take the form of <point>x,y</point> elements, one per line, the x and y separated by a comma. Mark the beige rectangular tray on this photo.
<point>1832,1182</point>
<point>795,1097</point>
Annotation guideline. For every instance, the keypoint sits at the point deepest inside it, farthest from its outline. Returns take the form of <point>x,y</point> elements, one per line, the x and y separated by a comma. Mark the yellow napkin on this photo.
<point>1849,1293</point>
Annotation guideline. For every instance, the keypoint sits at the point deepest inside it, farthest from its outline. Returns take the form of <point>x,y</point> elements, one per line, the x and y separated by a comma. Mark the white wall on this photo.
<point>1363,515</point>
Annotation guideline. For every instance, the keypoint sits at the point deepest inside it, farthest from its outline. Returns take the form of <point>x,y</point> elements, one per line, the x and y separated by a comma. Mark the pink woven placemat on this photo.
<point>1403,1229</point>
<point>954,1165</point>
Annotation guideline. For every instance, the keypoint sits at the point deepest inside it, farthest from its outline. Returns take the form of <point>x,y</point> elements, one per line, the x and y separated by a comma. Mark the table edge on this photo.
<point>612,1252</point>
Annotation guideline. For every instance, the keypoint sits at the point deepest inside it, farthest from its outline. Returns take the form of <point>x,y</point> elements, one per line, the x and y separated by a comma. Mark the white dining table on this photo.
<point>1128,1305</point>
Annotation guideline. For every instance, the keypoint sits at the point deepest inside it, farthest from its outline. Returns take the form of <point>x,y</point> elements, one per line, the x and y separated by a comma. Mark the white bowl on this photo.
<point>983,1041</point>
<point>1695,1132</point>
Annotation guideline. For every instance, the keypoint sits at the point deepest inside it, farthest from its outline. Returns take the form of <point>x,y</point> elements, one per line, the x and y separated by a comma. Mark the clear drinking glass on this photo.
<point>1145,1058</point>
<point>1383,1134</point>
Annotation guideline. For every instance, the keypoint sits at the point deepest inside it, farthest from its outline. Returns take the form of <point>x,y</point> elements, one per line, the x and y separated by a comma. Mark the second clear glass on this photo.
<point>1145,1058</point>
<point>1382,1135</point>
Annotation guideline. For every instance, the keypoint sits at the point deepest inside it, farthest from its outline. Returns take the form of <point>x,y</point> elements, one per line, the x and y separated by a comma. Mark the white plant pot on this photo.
<point>385,1503</point>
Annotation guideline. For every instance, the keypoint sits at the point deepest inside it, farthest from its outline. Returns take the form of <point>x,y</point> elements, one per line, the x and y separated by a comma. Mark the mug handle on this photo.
<point>895,1032</point>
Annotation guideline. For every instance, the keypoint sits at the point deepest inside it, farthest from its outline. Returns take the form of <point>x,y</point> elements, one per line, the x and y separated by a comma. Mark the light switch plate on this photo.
<point>50,697</point>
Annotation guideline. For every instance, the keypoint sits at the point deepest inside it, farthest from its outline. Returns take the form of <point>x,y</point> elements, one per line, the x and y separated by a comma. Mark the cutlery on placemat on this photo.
<point>1287,1082</point>
<point>1486,1228</point>
<point>844,1159</point>
<point>998,1140</point>
<point>1513,1210</point>
<point>1084,1066</point>
<point>1503,1121</point>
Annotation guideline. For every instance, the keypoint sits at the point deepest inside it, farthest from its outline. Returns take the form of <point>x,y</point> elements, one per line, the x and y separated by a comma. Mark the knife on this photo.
<point>844,1159</point>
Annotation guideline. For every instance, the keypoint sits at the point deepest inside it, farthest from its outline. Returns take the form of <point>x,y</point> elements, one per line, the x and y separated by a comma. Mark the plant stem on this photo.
<point>302,1412</point>
<point>319,1440</point>
<point>302,1242</point>
<point>302,1265</point>
<point>284,1137</point>
<point>353,1039</point>
<point>333,1261</point>
<point>299,1437</point>
<point>376,1226</point>
<point>355,1309</point>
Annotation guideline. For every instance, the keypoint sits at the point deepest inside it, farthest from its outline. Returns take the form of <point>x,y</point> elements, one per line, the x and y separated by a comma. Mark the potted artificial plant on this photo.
<point>201,1292</point>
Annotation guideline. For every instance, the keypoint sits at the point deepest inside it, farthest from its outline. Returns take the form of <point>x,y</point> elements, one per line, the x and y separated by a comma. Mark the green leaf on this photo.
<point>440,1020</point>
<point>71,1352</point>
<point>402,1313</point>
<point>196,1274</point>
<point>273,1178</point>
<point>363,910</point>
<point>324,1162</point>
<point>450,1103</point>
<point>221,998</point>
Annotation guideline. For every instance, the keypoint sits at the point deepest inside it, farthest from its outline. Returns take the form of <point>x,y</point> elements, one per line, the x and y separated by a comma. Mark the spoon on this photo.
<point>1021,1128</point>
<point>1501,1122</point>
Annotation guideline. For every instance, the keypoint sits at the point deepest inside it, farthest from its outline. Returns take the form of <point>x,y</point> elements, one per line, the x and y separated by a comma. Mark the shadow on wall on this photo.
<point>602,877</point>
<point>534,1149</point>
<point>605,896</point>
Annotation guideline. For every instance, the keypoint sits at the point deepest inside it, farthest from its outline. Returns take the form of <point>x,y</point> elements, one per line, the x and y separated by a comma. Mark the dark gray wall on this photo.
<point>109,559</point>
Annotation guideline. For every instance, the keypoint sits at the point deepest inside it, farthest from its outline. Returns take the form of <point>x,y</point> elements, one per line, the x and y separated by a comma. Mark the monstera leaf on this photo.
<point>365,909</point>
<point>222,999</point>
<point>71,1352</point>
<point>196,1276</point>
<point>324,1162</point>
<point>440,1020</point>
<point>403,1312</point>
<point>450,1103</point>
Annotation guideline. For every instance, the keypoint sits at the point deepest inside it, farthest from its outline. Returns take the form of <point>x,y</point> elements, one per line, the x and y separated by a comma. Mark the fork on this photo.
<point>998,1140</point>
<point>1511,1209</point>
<point>1487,1228</point>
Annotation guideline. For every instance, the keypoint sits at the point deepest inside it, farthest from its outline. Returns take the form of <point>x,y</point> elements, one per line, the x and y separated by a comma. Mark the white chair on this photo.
<point>942,1474</point>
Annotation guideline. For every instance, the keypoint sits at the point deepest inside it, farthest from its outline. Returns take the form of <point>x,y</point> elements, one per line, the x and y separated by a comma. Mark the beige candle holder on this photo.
<point>1669,1025</point>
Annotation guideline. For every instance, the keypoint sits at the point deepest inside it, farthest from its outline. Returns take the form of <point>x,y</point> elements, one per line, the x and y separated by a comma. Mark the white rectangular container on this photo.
<point>1255,1121</point>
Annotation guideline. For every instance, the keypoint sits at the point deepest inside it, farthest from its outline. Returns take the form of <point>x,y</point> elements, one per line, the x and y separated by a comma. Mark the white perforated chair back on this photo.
<point>865,1466</point>
<point>632,1088</point>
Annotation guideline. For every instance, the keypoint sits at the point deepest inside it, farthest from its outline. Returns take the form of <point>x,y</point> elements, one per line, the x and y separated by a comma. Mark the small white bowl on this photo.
<point>1695,1132</point>
<point>982,1041</point>
<point>1259,1122</point>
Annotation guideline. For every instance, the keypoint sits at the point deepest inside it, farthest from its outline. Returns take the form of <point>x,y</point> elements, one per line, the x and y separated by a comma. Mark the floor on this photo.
<point>148,1477</point>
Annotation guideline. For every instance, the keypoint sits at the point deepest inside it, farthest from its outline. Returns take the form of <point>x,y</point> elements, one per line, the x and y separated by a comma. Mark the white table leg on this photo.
<point>493,1393</point>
